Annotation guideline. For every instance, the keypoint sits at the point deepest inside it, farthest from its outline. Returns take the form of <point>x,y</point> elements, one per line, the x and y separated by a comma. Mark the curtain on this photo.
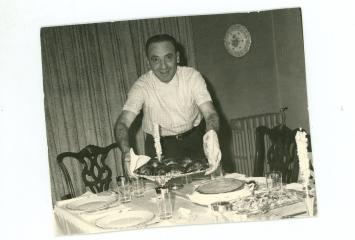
<point>87,73</point>
<point>178,27</point>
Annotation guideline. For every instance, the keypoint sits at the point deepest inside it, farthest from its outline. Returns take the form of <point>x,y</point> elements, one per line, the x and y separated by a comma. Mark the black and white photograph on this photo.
<point>178,121</point>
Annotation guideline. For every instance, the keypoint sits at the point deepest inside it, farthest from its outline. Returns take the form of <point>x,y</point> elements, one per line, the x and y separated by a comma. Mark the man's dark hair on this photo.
<point>160,38</point>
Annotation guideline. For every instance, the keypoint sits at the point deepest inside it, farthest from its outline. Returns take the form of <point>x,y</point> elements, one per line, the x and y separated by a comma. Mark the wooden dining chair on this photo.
<point>281,155</point>
<point>260,133</point>
<point>96,175</point>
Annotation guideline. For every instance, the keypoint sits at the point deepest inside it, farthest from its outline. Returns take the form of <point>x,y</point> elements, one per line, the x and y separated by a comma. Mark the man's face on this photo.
<point>163,58</point>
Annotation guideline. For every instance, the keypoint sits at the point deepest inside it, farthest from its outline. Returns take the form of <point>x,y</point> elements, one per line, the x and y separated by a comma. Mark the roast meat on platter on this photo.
<point>171,166</point>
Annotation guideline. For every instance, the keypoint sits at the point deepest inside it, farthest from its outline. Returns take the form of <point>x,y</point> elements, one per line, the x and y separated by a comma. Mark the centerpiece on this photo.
<point>161,170</point>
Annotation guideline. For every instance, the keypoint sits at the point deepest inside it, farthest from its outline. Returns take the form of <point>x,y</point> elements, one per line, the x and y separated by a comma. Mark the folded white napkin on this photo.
<point>136,161</point>
<point>212,150</point>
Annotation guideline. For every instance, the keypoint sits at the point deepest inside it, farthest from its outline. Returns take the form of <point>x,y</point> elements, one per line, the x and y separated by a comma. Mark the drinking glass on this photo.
<point>138,187</point>
<point>186,180</point>
<point>176,183</point>
<point>163,200</point>
<point>274,181</point>
<point>179,182</point>
<point>124,189</point>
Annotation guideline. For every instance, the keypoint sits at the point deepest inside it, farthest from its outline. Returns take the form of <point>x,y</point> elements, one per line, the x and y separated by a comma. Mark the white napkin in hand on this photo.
<point>212,150</point>
<point>136,161</point>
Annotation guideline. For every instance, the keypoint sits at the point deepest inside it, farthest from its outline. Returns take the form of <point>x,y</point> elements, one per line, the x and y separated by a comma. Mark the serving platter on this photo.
<point>265,201</point>
<point>169,168</point>
<point>162,179</point>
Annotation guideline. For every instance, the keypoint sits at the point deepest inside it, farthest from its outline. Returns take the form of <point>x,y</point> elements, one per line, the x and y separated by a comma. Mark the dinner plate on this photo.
<point>92,203</point>
<point>125,219</point>
<point>221,185</point>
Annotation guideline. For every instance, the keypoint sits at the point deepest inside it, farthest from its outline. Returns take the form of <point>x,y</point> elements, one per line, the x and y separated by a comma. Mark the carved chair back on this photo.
<point>96,175</point>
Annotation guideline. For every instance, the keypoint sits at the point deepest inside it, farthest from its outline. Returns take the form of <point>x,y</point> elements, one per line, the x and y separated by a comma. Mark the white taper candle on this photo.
<point>157,144</point>
<point>304,167</point>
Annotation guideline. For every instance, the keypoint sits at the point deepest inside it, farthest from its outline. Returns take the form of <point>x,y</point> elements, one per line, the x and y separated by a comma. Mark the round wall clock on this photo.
<point>237,40</point>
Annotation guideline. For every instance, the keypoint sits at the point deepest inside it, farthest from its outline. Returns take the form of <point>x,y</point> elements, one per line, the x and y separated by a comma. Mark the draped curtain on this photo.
<point>87,73</point>
<point>178,27</point>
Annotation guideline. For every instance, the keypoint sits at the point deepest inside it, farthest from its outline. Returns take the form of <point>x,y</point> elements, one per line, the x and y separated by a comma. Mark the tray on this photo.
<point>263,202</point>
<point>162,179</point>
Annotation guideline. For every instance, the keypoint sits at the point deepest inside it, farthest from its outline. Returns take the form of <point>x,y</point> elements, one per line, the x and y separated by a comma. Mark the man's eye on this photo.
<point>154,59</point>
<point>169,57</point>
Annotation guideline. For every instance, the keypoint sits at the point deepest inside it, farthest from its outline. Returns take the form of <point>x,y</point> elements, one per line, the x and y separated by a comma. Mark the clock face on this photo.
<point>237,40</point>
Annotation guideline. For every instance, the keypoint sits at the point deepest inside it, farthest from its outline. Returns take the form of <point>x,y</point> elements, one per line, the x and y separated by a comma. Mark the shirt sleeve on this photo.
<point>199,89</point>
<point>135,100</point>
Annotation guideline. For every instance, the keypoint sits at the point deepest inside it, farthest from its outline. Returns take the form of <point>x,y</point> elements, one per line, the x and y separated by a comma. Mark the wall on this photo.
<point>270,76</point>
<point>243,86</point>
<point>291,74</point>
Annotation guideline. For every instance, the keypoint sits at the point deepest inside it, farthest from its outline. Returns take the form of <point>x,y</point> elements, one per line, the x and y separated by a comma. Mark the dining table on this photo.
<point>186,209</point>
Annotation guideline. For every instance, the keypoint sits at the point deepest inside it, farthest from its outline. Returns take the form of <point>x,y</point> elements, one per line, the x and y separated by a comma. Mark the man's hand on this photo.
<point>212,168</point>
<point>210,139</point>
<point>121,135</point>
<point>212,151</point>
<point>126,161</point>
<point>127,164</point>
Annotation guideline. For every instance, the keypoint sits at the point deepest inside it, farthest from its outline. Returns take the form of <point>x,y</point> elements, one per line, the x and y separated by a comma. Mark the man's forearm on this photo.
<point>122,137</point>
<point>212,122</point>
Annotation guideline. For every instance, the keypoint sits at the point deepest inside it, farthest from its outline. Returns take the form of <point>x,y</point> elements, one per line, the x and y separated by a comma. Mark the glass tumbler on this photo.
<point>274,181</point>
<point>124,189</point>
<point>165,209</point>
<point>138,187</point>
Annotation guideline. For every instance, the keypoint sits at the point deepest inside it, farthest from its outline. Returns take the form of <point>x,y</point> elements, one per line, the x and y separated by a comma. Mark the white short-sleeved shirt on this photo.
<point>172,105</point>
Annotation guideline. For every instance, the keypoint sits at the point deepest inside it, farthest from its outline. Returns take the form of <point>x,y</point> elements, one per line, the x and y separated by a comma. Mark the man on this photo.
<point>175,98</point>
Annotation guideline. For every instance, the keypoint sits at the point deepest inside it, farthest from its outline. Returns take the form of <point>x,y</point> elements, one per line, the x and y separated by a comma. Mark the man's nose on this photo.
<point>163,64</point>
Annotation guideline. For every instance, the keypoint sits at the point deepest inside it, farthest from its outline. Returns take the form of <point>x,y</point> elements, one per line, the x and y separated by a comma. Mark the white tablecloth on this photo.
<point>184,213</point>
<point>75,222</point>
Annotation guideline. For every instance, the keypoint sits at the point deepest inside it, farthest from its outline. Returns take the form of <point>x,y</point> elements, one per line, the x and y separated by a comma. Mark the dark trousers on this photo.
<point>189,144</point>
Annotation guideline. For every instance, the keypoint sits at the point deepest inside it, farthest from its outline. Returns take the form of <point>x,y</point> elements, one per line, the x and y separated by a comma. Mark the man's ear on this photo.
<point>147,61</point>
<point>177,57</point>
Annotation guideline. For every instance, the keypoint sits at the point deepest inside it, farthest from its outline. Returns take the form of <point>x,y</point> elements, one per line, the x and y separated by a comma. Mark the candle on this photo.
<point>304,171</point>
<point>157,144</point>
